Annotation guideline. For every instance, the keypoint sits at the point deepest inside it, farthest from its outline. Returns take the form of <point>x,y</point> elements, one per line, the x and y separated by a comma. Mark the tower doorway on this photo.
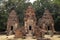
<point>11,28</point>
<point>30,28</point>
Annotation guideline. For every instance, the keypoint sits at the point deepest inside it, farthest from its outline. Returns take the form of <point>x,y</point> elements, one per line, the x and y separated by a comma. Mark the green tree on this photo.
<point>20,7</point>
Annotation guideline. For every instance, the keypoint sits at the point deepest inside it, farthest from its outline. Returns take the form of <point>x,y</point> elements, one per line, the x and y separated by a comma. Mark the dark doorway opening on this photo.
<point>11,27</point>
<point>29,27</point>
<point>48,27</point>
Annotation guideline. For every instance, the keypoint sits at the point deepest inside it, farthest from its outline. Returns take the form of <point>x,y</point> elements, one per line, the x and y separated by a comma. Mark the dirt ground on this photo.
<point>11,37</point>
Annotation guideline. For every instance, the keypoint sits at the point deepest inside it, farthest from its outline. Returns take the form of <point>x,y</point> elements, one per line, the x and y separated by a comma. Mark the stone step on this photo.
<point>29,38</point>
<point>29,34</point>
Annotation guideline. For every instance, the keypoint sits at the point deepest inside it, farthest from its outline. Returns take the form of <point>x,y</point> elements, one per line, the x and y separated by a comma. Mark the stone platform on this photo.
<point>11,37</point>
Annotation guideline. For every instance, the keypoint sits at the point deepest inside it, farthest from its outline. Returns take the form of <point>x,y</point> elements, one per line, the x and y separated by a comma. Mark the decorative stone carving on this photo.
<point>29,19</point>
<point>47,21</point>
<point>12,22</point>
<point>30,24</point>
<point>18,33</point>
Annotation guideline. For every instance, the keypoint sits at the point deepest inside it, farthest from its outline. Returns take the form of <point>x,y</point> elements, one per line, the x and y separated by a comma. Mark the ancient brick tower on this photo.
<point>29,20</point>
<point>47,22</point>
<point>12,22</point>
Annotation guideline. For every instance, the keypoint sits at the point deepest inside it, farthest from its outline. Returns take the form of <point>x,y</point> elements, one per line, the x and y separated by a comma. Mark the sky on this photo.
<point>32,1</point>
<point>29,1</point>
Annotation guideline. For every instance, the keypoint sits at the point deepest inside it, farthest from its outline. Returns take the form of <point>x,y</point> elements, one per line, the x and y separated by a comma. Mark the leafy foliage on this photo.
<point>21,5</point>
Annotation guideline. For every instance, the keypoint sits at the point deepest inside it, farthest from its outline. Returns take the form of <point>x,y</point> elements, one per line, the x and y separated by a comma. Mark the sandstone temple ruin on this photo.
<point>12,22</point>
<point>31,26</point>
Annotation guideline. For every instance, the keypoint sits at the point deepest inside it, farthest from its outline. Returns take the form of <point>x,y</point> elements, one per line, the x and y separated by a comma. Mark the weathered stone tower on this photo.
<point>47,22</point>
<point>12,22</point>
<point>29,20</point>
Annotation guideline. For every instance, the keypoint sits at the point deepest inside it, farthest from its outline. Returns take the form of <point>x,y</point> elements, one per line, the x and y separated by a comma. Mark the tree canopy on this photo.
<point>21,6</point>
